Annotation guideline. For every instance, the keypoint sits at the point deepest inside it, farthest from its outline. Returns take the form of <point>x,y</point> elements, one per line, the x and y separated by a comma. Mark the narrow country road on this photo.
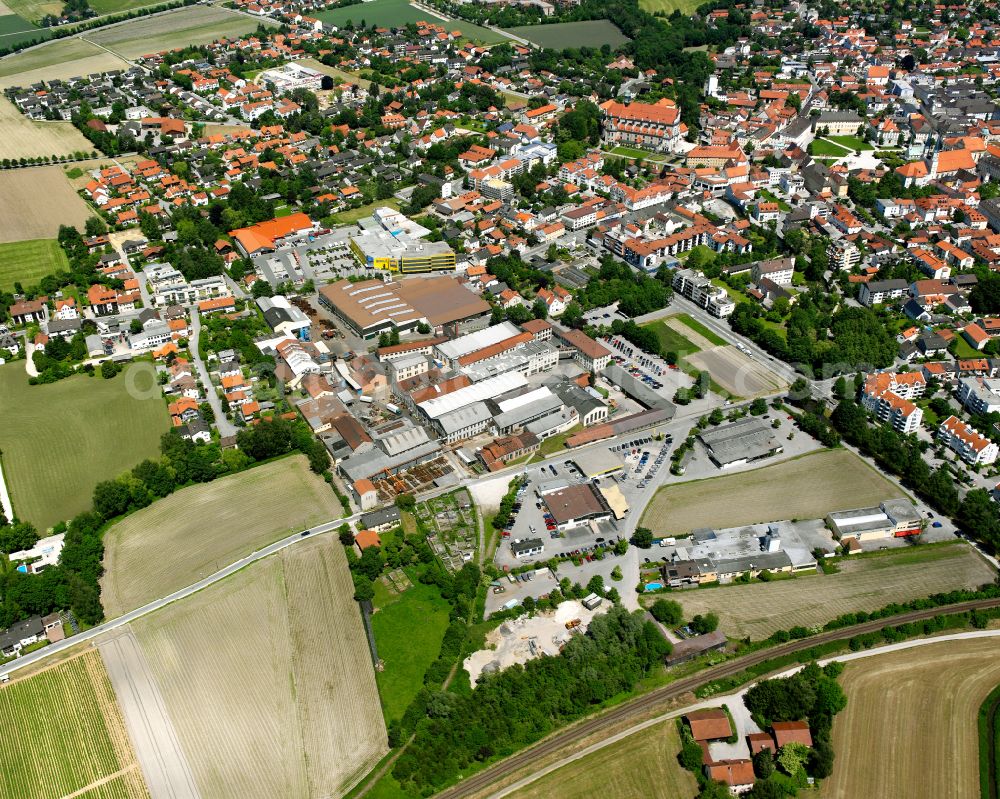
<point>716,701</point>
<point>225,427</point>
<point>132,615</point>
<point>639,707</point>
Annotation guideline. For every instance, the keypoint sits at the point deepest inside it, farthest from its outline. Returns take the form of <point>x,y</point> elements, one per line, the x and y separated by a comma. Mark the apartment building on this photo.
<point>971,445</point>
<point>888,397</point>
<point>699,289</point>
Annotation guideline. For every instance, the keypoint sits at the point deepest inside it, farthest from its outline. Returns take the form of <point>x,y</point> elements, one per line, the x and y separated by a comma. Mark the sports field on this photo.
<point>65,58</point>
<point>563,35</point>
<point>21,137</point>
<point>808,487</point>
<point>909,730</point>
<point>408,633</point>
<point>28,262</point>
<point>268,680</point>
<point>868,583</point>
<point>189,25</point>
<point>59,440</point>
<point>61,730</point>
<point>641,765</point>
<point>200,529</point>
<point>396,13</point>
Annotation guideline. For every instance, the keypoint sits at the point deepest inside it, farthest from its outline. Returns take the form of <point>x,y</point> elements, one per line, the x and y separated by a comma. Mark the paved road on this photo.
<point>729,699</point>
<point>132,615</point>
<point>225,427</point>
<point>642,705</point>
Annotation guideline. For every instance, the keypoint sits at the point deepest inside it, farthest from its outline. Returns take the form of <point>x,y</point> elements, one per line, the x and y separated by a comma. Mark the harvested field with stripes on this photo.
<point>62,733</point>
<point>909,730</point>
<point>267,678</point>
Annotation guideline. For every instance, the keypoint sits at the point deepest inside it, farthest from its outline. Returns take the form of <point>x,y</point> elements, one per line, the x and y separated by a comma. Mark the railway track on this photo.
<point>660,696</point>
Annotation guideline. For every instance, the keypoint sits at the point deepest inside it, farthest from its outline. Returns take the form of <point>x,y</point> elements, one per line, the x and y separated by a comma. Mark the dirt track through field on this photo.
<point>157,746</point>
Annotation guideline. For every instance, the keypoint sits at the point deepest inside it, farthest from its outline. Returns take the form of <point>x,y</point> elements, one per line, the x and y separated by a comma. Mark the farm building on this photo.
<point>743,441</point>
<point>690,648</point>
<point>787,732</point>
<point>711,724</point>
<point>737,774</point>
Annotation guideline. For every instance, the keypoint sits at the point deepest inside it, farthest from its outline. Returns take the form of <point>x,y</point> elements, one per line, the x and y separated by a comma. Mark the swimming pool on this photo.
<point>654,586</point>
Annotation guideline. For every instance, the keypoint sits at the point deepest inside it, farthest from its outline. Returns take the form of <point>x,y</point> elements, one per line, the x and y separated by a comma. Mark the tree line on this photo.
<point>903,456</point>
<point>513,708</point>
<point>74,582</point>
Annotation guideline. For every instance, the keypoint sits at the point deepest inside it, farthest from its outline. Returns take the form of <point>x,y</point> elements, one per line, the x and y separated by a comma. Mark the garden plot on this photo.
<point>450,525</point>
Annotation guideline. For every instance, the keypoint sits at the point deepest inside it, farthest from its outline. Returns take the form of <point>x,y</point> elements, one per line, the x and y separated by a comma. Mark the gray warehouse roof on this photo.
<point>744,440</point>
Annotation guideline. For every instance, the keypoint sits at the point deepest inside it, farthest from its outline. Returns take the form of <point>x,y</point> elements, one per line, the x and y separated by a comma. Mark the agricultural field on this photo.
<point>643,764</point>
<point>64,58</point>
<point>27,262</point>
<point>63,732</point>
<point>59,440</point>
<point>21,137</point>
<point>810,487</point>
<point>31,9</point>
<point>189,25</point>
<point>395,13</point>
<point>563,35</point>
<point>909,730</point>
<point>868,583</point>
<point>668,7</point>
<point>268,679</point>
<point>15,30</point>
<point>408,628</point>
<point>200,529</point>
<point>35,201</point>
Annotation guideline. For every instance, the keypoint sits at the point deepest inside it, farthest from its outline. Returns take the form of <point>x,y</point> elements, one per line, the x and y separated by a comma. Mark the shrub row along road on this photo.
<point>990,747</point>
<point>654,699</point>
